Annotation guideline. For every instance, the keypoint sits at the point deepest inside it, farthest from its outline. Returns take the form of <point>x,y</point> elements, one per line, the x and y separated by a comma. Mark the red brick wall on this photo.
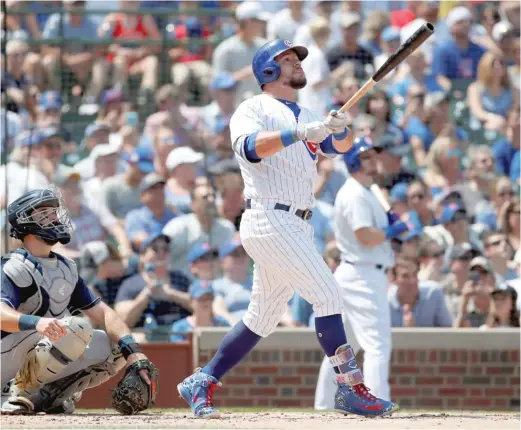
<point>448,379</point>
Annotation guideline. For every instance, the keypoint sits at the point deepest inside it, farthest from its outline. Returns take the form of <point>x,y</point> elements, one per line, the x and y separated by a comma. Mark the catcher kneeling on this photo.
<point>50,354</point>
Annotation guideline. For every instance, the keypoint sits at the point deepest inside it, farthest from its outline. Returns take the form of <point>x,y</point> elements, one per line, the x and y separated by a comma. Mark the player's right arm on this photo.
<point>252,142</point>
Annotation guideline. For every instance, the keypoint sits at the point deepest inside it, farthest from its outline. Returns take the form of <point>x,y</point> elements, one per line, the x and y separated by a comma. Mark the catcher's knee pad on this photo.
<point>48,359</point>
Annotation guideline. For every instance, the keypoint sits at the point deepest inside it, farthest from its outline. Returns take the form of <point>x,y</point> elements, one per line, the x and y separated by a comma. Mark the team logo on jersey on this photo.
<point>288,43</point>
<point>312,148</point>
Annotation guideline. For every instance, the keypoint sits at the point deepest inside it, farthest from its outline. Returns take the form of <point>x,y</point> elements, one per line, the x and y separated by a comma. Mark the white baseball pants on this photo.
<point>286,260</point>
<point>367,320</point>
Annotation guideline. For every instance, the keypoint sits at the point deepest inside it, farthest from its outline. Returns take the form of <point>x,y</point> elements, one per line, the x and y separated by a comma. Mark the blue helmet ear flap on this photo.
<point>353,165</point>
<point>271,72</point>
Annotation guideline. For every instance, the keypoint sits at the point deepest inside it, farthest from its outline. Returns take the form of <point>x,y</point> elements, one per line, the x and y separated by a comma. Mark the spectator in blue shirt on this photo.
<point>505,149</point>
<point>233,290</point>
<point>413,303</point>
<point>204,261</point>
<point>457,58</point>
<point>502,194</point>
<point>153,215</point>
<point>514,169</point>
<point>78,58</point>
<point>201,298</point>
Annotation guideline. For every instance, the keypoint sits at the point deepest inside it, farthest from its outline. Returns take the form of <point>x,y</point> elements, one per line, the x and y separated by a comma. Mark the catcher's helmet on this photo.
<point>265,68</point>
<point>352,157</point>
<point>50,222</point>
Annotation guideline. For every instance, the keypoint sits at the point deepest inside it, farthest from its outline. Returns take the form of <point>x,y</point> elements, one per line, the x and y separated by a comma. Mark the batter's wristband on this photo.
<point>288,137</point>
<point>341,136</point>
<point>28,322</point>
<point>128,345</point>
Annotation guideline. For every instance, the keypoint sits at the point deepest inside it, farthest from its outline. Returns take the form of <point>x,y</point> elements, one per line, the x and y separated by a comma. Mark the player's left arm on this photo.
<point>341,139</point>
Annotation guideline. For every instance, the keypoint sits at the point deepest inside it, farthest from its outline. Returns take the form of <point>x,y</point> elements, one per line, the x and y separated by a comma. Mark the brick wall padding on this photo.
<point>430,369</point>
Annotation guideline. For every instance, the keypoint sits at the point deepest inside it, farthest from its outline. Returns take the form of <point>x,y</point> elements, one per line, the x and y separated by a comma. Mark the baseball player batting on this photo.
<point>276,143</point>
<point>363,230</point>
<point>50,356</point>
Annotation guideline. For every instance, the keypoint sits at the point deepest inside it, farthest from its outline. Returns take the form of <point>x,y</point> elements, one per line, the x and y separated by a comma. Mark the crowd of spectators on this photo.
<point>127,113</point>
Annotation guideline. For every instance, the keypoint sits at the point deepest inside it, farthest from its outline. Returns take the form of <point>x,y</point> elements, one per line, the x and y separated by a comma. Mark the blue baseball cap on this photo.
<point>50,100</point>
<point>193,26</point>
<point>112,96</point>
<point>36,137</point>
<point>223,81</point>
<point>152,238</point>
<point>143,157</point>
<point>448,214</point>
<point>199,250</point>
<point>199,289</point>
<point>399,192</point>
<point>229,247</point>
<point>390,33</point>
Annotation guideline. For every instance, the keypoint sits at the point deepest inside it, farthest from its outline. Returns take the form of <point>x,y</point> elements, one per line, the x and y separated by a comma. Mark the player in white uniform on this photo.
<point>49,353</point>
<point>362,231</point>
<point>276,143</point>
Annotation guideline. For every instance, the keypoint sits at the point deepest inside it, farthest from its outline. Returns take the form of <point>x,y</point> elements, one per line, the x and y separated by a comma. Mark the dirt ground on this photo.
<point>268,420</point>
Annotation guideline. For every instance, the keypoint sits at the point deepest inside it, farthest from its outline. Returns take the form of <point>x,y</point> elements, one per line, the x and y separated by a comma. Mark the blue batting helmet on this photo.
<point>42,214</point>
<point>265,68</point>
<point>352,157</point>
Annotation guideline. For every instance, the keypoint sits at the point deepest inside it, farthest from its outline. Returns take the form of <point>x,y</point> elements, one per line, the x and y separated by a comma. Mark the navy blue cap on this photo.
<point>152,238</point>
<point>199,289</point>
<point>449,211</point>
<point>200,249</point>
<point>193,26</point>
<point>223,81</point>
<point>143,157</point>
<point>399,192</point>
<point>229,247</point>
<point>50,100</point>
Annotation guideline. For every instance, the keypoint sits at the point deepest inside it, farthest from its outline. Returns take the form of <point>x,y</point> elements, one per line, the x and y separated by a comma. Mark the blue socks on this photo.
<point>237,343</point>
<point>330,333</point>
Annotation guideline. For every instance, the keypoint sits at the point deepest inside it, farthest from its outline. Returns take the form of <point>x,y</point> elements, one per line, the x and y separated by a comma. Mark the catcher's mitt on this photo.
<point>133,394</point>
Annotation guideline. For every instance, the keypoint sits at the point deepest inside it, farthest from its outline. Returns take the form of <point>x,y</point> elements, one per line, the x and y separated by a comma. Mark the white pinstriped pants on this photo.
<point>286,261</point>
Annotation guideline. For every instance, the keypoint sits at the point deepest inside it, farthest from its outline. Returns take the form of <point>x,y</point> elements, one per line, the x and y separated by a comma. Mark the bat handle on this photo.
<point>362,92</point>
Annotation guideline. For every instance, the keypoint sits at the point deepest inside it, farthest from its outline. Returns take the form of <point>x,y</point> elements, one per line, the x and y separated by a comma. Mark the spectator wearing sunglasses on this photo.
<point>499,252</point>
<point>506,148</point>
<point>509,223</point>
<point>202,297</point>
<point>154,290</point>
<point>413,303</point>
<point>203,225</point>
<point>460,257</point>
<point>419,202</point>
<point>430,259</point>
<point>153,215</point>
<point>502,194</point>
<point>454,228</point>
<point>233,289</point>
<point>476,294</point>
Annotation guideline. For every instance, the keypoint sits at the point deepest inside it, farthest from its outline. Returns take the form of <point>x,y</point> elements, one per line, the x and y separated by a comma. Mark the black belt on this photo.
<point>378,266</point>
<point>305,214</point>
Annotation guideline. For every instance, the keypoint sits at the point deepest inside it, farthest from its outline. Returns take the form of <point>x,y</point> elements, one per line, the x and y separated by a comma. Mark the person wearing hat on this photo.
<point>104,269</point>
<point>203,225</point>
<point>235,54</point>
<point>203,259</point>
<point>398,197</point>
<point>476,294</point>
<point>415,303</point>
<point>504,311</point>
<point>223,89</point>
<point>181,164</point>
<point>50,104</point>
<point>458,57</point>
<point>96,133</point>
<point>89,225</point>
<point>390,42</point>
<point>154,290</point>
<point>153,214</point>
<point>349,49</point>
<point>84,61</point>
<point>233,289</point>
<point>202,297</point>
<point>453,228</point>
<point>121,192</point>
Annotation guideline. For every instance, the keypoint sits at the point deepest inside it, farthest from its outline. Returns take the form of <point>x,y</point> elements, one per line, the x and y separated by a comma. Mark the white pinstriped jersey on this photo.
<point>287,176</point>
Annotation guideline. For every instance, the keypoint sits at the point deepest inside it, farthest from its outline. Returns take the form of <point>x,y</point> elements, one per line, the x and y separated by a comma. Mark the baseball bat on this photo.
<point>375,189</point>
<point>412,43</point>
